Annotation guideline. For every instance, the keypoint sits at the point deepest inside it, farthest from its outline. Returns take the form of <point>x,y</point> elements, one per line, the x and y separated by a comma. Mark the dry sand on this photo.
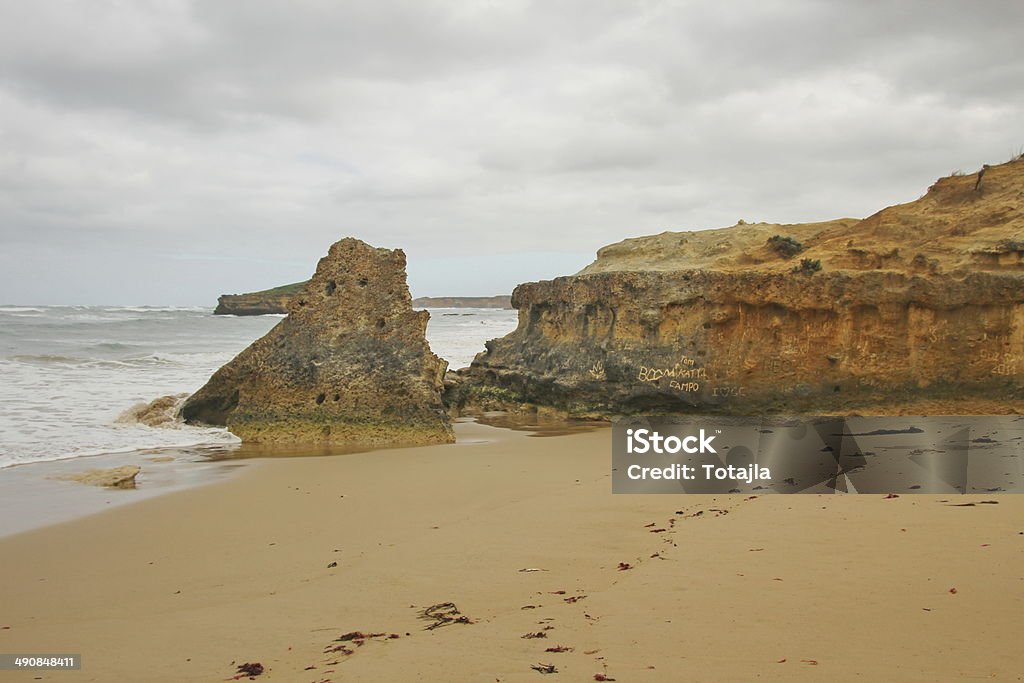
<point>186,586</point>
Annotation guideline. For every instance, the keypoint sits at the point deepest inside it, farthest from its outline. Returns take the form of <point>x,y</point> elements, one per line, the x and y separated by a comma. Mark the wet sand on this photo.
<point>34,495</point>
<point>186,586</point>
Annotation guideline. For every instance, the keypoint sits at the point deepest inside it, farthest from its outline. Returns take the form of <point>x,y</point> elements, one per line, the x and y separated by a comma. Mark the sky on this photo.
<point>163,152</point>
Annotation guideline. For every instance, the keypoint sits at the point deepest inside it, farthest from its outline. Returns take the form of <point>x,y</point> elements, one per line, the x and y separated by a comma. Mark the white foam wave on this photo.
<point>133,438</point>
<point>159,309</point>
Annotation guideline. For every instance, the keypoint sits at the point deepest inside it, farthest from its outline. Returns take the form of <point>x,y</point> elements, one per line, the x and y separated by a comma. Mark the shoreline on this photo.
<point>277,564</point>
<point>34,495</point>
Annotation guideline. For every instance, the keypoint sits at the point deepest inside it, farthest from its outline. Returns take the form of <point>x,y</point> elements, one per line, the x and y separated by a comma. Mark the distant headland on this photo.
<point>275,301</point>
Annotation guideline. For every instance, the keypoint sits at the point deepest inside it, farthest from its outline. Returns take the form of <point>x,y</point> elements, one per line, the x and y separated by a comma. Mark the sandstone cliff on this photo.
<point>921,301</point>
<point>268,301</point>
<point>348,365</point>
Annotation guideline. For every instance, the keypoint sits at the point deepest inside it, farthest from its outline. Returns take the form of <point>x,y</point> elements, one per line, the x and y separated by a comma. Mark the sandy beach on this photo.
<point>499,342</point>
<point>276,564</point>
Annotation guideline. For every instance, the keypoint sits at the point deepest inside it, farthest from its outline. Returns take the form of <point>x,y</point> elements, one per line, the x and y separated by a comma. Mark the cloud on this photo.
<point>207,147</point>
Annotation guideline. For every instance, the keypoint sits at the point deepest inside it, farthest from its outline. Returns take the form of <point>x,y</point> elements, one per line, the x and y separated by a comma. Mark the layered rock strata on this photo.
<point>266,302</point>
<point>919,301</point>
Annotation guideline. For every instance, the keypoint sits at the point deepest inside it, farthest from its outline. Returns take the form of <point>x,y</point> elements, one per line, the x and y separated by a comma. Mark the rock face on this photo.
<point>348,365</point>
<point>268,301</point>
<point>919,302</point>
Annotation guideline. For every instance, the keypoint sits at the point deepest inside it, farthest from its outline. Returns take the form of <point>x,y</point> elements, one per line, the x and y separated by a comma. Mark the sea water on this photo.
<point>68,372</point>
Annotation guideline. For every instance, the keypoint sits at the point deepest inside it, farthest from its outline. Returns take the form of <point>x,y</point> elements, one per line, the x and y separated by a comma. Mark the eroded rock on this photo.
<point>349,364</point>
<point>919,302</point>
<point>160,412</point>
<point>115,478</point>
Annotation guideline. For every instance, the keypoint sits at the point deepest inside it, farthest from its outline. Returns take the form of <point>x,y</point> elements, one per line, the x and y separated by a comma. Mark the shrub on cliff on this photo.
<point>786,247</point>
<point>807,266</point>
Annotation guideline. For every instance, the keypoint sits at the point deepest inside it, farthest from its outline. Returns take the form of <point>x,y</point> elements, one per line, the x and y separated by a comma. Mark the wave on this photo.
<point>65,315</point>
<point>189,361</point>
<point>47,358</point>
<point>186,437</point>
<point>114,346</point>
<point>189,358</point>
<point>158,309</point>
<point>143,426</point>
<point>15,316</point>
<point>163,412</point>
<point>134,309</point>
<point>248,315</point>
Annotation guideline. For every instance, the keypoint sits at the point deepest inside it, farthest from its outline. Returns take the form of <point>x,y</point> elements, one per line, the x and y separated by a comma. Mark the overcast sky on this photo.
<point>164,152</point>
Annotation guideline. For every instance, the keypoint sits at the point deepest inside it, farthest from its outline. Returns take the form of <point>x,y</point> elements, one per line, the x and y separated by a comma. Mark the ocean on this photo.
<point>69,372</point>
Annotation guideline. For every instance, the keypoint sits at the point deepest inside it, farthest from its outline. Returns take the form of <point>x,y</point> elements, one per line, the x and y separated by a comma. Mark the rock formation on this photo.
<point>268,301</point>
<point>919,302</point>
<point>349,364</point>
<point>160,412</point>
<point>113,478</point>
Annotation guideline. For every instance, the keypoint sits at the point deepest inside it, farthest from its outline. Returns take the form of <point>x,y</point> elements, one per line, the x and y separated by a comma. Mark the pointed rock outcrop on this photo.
<point>349,365</point>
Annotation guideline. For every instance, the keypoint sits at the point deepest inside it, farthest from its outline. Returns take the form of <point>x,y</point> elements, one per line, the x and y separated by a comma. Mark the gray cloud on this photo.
<point>164,152</point>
